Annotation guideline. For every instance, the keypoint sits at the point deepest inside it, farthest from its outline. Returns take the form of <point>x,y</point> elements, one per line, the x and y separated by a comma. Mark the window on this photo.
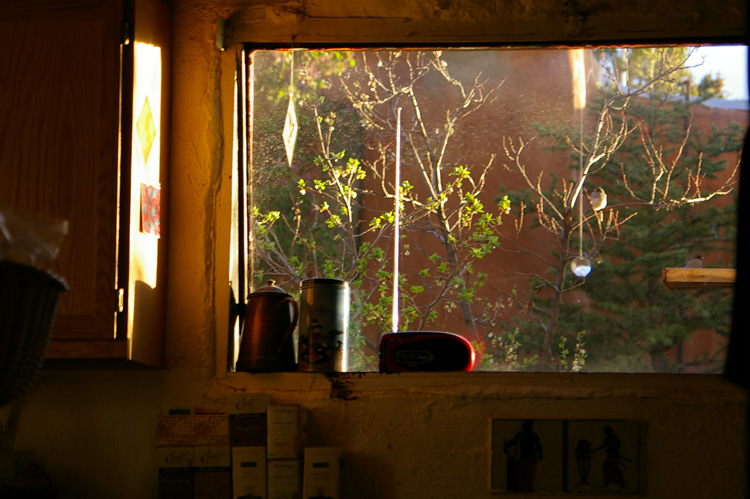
<point>488,148</point>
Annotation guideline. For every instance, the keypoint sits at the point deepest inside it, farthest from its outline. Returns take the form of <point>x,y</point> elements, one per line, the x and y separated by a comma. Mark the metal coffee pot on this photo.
<point>267,343</point>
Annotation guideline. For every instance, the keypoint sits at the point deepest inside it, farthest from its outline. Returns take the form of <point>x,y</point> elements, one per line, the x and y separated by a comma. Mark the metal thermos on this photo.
<point>267,343</point>
<point>323,325</point>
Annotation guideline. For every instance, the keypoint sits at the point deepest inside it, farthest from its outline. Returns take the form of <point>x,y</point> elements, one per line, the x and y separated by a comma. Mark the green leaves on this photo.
<point>333,222</point>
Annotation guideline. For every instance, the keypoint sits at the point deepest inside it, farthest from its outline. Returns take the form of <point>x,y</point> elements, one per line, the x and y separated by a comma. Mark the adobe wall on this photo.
<point>403,436</point>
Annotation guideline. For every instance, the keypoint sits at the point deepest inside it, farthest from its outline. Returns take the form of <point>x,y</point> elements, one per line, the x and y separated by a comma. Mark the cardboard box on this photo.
<point>212,473</point>
<point>249,403</point>
<point>287,431</point>
<point>249,473</point>
<point>247,420</point>
<point>248,430</point>
<point>176,472</point>
<point>284,479</point>
<point>197,430</point>
<point>321,478</point>
<point>177,410</point>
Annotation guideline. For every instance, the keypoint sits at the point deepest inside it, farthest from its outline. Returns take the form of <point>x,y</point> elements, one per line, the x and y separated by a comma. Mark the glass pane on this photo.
<point>503,158</point>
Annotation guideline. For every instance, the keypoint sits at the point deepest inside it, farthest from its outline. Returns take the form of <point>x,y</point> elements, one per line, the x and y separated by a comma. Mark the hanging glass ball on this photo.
<point>580,266</point>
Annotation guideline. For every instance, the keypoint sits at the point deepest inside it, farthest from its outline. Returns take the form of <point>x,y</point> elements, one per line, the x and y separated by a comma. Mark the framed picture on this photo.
<point>532,456</point>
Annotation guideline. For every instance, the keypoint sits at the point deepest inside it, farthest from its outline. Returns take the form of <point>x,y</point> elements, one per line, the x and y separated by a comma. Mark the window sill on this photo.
<point>354,385</point>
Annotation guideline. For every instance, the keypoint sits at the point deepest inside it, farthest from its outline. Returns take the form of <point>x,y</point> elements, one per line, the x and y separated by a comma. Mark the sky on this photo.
<point>728,61</point>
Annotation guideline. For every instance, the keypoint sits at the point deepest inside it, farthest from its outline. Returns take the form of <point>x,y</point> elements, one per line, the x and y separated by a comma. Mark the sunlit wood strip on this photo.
<point>680,278</point>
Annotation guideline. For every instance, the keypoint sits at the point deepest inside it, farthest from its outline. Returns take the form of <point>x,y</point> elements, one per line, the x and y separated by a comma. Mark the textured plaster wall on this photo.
<point>403,436</point>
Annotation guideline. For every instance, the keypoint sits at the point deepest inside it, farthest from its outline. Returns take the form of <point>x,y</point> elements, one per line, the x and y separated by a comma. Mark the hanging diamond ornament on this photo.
<point>580,266</point>
<point>290,130</point>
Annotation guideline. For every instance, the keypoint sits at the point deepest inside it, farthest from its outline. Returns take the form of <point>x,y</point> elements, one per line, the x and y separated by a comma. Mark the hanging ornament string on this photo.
<point>580,198</point>
<point>579,102</point>
<point>581,266</point>
<point>396,224</point>
<point>290,123</point>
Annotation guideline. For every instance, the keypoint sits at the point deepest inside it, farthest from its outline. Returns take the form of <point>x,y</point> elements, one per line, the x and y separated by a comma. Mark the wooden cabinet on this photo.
<point>70,104</point>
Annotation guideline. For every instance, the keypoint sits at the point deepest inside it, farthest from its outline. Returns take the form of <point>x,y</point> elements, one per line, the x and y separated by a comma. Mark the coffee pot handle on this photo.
<point>295,317</point>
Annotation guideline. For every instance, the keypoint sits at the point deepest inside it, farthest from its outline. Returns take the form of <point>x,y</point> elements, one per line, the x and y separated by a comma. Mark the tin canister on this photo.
<point>323,325</point>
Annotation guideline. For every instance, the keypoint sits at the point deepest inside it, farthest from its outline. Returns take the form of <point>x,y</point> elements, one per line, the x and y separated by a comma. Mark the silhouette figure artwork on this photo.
<point>613,462</point>
<point>524,451</point>
<point>584,456</point>
<point>580,456</point>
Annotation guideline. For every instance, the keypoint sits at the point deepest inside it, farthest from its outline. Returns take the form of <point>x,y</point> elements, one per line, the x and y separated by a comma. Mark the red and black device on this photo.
<point>424,351</point>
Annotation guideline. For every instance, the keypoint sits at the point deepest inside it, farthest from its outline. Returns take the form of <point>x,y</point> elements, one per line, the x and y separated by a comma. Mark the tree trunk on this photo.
<point>557,296</point>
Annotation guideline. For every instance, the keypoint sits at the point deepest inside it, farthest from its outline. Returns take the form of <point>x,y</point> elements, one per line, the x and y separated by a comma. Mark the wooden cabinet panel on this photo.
<point>59,124</point>
<point>68,138</point>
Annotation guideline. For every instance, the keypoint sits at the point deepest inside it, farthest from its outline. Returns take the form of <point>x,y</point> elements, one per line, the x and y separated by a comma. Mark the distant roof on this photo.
<point>741,105</point>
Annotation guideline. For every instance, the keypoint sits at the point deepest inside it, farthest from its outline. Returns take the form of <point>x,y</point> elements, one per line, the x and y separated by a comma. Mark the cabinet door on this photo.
<point>146,84</point>
<point>59,125</point>
<point>68,134</point>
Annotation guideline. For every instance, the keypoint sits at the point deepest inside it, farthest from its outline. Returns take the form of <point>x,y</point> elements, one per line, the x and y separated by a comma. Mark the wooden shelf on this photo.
<point>681,278</point>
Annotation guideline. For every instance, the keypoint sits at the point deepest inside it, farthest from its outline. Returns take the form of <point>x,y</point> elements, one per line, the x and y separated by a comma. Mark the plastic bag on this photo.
<point>30,239</point>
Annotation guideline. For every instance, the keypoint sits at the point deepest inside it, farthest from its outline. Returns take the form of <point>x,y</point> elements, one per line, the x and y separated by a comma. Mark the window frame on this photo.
<point>247,30</point>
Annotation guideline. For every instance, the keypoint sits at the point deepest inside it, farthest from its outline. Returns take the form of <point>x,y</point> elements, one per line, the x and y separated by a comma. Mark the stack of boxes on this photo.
<point>322,475</point>
<point>257,451</point>
<point>287,434</point>
<point>248,436</point>
<point>194,456</point>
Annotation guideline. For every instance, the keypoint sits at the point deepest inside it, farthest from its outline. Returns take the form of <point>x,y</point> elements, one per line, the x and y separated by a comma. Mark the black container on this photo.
<point>267,343</point>
<point>28,305</point>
